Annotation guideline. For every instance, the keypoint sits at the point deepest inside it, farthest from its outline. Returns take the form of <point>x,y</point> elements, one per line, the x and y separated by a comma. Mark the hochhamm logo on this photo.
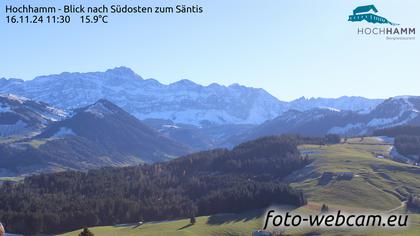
<point>392,32</point>
<point>364,13</point>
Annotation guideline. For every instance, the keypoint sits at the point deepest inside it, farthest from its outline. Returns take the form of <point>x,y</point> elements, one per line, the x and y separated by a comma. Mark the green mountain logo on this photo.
<point>367,13</point>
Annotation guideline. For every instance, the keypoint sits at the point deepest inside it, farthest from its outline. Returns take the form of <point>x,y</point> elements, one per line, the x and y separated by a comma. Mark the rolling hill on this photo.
<point>378,185</point>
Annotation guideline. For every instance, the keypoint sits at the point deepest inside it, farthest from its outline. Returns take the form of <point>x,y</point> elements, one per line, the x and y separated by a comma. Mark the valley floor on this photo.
<point>377,185</point>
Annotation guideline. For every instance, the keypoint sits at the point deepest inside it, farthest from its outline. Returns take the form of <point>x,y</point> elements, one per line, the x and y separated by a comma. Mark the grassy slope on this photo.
<point>223,224</point>
<point>378,185</point>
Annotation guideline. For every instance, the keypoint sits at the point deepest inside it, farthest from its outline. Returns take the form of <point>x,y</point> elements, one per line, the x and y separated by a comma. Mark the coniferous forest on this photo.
<point>217,181</point>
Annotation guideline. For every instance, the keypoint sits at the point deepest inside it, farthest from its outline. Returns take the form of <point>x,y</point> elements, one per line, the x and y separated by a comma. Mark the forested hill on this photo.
<point>247,177</point>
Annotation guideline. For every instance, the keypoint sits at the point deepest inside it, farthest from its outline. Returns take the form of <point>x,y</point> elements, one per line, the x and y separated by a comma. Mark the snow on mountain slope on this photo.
<point>182,101</point>
<point>359,104</point>
<point>19,115</point>
<point>392,112</point>
<point>320,121</point>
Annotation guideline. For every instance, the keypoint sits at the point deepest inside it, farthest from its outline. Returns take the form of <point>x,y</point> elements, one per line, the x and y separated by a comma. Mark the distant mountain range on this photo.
<point>181,102</point>
<point>116,118</point>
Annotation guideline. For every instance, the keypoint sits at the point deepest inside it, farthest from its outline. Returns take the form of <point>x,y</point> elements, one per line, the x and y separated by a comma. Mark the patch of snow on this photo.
<point>63,132</point>
<point>99,110</point>
<point>58,112</point>
<point>383,122</point>
<point>386,139</point>
<point>14,98</point>
<point>364,112</point>
<point>330,109</point>
<point>53,114</point>
<point>47,113</point>
<point>170,126</point>
<point>405,121</point>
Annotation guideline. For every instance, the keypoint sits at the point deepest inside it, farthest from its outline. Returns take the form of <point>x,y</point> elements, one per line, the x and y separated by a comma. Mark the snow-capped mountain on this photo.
<point>181,102</point>
<point>320,121</point>
<point>20,115</point>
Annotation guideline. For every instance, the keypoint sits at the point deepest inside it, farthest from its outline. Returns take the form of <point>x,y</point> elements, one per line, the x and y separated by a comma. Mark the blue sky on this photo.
<point>291,48</point>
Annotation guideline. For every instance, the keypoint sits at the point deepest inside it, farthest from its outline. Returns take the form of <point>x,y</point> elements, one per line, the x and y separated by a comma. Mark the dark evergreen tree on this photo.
<point>86,232</point>
<point>413,203</point>
<point>332,139</point>
<point>324,208</point>
<point>192,220</point>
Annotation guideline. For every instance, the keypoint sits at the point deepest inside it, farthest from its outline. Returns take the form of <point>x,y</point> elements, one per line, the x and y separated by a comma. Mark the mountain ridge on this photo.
<point>182,101</point>
<point>98,135</point>
<point>317,122</point>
